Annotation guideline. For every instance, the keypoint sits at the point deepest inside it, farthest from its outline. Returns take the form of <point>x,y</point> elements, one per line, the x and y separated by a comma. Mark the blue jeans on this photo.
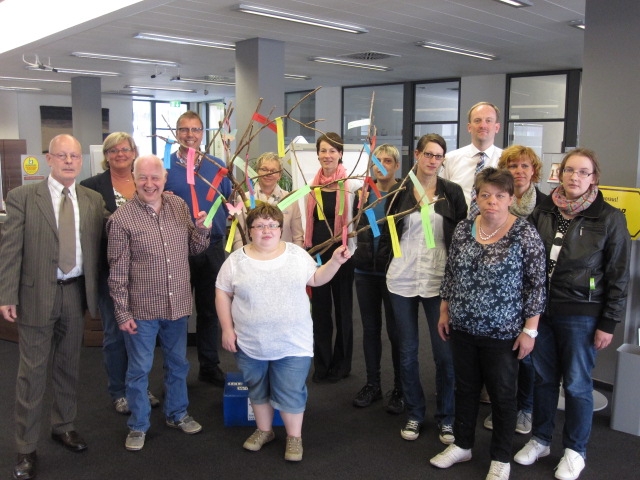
<point>114,352</point>
<point>405,310</point>
<point>372,294</point>
<point>280,382</point>
<point>490,361</point>
<point>564,350</point>
<point>526,380</point>
<point>204,269</point>
<point>140,347</point>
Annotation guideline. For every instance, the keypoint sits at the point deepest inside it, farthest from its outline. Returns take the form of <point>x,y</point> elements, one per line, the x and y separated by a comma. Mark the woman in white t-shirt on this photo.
<point>273,344</point>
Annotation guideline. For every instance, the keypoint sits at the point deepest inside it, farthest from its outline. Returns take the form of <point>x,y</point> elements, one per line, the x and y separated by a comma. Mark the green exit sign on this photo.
<point>175,103</point>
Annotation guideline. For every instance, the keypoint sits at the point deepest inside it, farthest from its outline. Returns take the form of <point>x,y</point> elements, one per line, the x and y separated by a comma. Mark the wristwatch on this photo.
<point>531,333</point>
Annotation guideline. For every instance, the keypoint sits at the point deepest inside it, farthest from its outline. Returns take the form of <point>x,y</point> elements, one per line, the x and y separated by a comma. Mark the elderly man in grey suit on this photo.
<point>48,276</point>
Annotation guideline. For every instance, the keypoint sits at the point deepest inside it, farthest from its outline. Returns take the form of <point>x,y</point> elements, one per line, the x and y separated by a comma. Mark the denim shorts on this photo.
<point>280,382</point>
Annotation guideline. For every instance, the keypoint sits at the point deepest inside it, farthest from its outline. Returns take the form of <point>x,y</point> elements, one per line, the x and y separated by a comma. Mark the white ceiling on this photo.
<point>525,39</point>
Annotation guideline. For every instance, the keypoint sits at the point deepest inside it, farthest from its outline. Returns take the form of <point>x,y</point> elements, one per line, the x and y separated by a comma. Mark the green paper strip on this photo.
<point>238,162</point>
<point>212,211</point>
<point>293,197</point>
<point>427,227</point>
<point>341,188</point>
<point>418,185</point>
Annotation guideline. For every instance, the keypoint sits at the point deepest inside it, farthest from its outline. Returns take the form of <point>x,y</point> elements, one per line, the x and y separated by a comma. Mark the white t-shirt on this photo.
<point>270,308</point>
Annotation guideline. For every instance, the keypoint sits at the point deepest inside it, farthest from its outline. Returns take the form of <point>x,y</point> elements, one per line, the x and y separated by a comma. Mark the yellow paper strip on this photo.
<point>395,243</point>
<point>232,234</point>
<point>427,227</point>
<point>318,193</point>
<point>280,135</point>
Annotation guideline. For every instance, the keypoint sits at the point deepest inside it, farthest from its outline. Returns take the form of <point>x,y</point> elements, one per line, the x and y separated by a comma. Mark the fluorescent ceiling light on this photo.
<point>201,80</point>
<point>294,17</point>
<point>349,63</point>
<point>119,58</point>
<point>132,93</point>
<point>292,76</point>
<point>20,89</point>
<point>74,71</point>
<point>167,89</point>
<point>184,40</point>
<point>578,24</point>
<point>24,79</point>
<point>517,3</point>
<point>27,21</point>
<point>458,50</point>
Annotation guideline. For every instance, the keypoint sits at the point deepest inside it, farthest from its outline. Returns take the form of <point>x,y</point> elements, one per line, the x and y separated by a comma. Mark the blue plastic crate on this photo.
<point>236,405</point>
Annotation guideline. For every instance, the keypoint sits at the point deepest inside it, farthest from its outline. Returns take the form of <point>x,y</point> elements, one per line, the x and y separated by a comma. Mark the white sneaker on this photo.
<point>499,471</point>
<point>570,466</point>
<point>450,456</point>
<point>523,423</point>
<point>531,452</point>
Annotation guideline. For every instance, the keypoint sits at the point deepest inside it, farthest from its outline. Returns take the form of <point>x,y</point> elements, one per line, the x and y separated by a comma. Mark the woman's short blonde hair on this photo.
<point>514,153</point>
<point>268,157</point>
<point>114,139</point>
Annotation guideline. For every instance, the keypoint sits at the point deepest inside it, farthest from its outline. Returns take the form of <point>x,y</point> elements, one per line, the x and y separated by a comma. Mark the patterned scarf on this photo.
<point>573,207</point>
<point>522,207</point>
<point>340,220</point>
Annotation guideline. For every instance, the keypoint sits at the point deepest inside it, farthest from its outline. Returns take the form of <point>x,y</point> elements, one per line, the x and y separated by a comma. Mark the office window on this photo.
<point>387,113</point>
<point>154,118</point>
<point>436,111</point>
<point>305,113</point>
<point>536,112</point>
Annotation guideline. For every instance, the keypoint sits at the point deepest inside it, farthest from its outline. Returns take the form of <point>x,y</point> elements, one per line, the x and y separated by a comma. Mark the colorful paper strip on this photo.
<point>418,186</point>
<point>212,211</point>
<point>318,193</point>
<point>395,243</point>
<point>263,120</point>
<point>190,166</point>
<point>232,234</point>
<point>167,154</point>
<point>194,201</point>
<point>342,194</point>
<point>427,227</point>
<point>294,197</point>
<point>222,172</point>
<point>375,160</point>
<point>371,216</point>
<point>280,134</point>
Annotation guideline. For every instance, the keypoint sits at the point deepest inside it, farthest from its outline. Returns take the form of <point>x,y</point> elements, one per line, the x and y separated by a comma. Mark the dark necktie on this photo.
<point>66,233</point>
<point>474,211</point>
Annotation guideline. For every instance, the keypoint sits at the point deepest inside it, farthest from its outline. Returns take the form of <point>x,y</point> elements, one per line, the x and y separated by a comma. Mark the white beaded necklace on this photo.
<point>484,236</point>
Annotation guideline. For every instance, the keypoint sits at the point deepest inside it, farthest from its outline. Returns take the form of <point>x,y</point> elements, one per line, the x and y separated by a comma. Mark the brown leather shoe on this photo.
<point>71,440</point>
<point>25,466</point>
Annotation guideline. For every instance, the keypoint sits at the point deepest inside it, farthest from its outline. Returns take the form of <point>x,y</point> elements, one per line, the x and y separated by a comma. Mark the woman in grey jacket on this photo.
<point>587,246</point>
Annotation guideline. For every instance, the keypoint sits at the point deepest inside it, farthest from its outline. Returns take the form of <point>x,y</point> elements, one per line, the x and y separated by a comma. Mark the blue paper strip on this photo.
<point>167,154</point>
<point>372,221</point>
<point>375,160</point>
<point>318,260</point>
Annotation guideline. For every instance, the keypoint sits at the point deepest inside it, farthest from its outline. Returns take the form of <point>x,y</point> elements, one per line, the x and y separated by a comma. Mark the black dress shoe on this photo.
<point>71,440</point>
<point>214,376</point>
<point>25,466</point>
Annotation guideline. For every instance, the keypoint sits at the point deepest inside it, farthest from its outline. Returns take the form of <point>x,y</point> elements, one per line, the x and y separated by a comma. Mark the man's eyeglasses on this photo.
<point>115,151</point>
<point>267,171</point>
<point>568,171</point>
<point>63,156</point>
<point>186,130</point>
<point>267,226</point>
<point>429,156</point>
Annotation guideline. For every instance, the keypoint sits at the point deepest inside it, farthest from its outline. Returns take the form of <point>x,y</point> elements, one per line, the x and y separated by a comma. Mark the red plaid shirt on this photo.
<point>149,259</point>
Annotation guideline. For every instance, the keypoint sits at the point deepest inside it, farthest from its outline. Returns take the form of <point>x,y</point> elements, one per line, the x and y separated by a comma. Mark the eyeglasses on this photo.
<point>568,171</point>
<point>115,151</point>
<point>186,130</point>
<point>63,156</point>
<point>268,226</point>
<point>429,156</point>
<point>267,171</point>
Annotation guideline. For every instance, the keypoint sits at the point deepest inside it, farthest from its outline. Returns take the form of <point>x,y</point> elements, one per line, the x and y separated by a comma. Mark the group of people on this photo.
<point>519,289</point>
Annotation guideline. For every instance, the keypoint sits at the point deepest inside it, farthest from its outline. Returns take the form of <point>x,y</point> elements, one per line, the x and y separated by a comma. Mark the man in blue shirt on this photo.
<point>205,266</point>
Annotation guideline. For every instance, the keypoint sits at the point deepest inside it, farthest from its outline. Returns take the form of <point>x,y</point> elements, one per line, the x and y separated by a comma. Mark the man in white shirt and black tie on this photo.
<point>462,165</point>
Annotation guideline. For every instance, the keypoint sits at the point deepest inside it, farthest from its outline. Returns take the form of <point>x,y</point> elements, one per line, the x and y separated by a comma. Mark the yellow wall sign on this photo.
<point>628,201</point>
<point>31,165</point>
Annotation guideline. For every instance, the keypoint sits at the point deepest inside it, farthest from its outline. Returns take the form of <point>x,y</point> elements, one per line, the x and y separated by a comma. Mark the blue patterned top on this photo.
<point>493,288</point>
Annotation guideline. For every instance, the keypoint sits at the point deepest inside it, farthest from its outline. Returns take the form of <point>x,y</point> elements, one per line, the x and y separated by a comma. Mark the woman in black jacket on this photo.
<point>415,277</point>
<point>587,246</point>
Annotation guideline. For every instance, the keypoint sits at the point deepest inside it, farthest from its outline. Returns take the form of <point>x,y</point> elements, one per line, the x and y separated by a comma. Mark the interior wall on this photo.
<point>329,109</point>
<point>481,88</point>
<point>9,109</point>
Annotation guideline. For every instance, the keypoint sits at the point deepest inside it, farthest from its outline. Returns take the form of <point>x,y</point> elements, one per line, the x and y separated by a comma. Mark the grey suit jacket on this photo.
<point>29,250</point>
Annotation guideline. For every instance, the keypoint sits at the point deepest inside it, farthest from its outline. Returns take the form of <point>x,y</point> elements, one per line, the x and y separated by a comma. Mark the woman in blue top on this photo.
<point>492,297</point>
